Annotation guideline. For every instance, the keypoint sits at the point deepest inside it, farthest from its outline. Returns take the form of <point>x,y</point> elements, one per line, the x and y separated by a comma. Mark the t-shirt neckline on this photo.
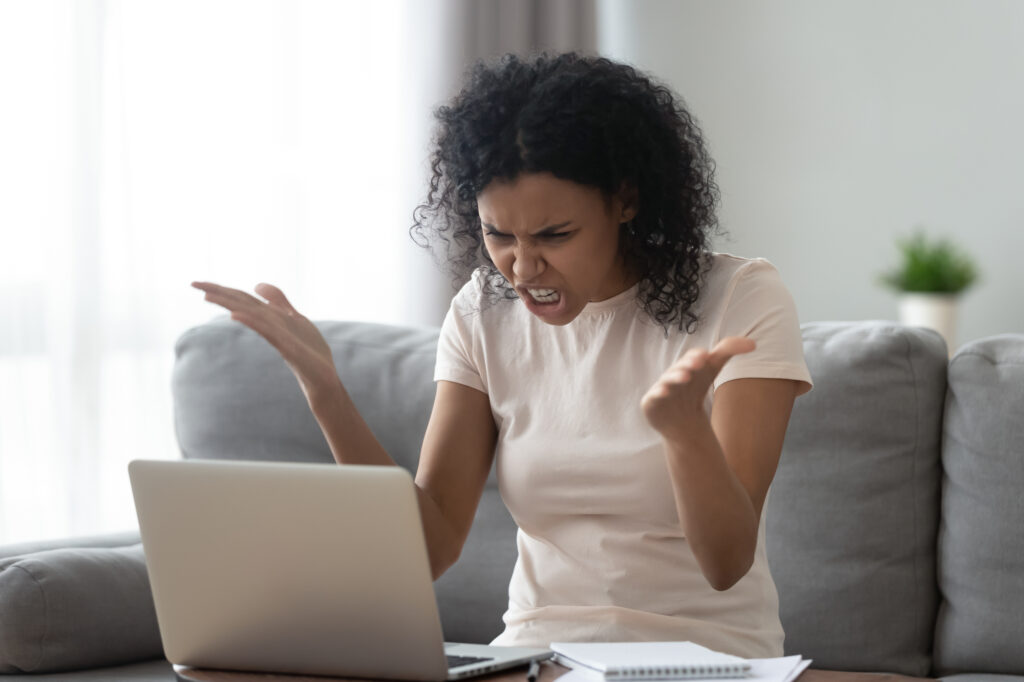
<point>615,301</point>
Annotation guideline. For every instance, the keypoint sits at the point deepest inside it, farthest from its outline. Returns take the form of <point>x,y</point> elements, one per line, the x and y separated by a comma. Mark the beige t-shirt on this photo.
<point>602,556</point>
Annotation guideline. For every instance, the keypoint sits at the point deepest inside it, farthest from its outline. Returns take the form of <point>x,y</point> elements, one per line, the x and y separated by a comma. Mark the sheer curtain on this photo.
<point>148,143</point>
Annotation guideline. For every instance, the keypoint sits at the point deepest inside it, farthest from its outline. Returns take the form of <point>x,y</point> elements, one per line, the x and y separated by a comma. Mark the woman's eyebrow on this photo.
<point>547,230</point>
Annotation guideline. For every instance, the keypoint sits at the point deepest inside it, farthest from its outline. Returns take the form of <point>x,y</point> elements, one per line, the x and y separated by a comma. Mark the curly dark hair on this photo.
<point>591,121</point>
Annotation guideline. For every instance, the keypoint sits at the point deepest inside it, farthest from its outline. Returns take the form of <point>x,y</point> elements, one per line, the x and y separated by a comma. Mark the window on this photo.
<point>148,144</point>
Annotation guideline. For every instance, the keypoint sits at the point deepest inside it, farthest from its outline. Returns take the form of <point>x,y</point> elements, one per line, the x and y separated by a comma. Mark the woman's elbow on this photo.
<point>442,560</point>
<point>725,575</point>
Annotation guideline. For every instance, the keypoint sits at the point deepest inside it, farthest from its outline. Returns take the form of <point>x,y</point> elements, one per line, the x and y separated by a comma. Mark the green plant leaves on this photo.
<point>935,267</point>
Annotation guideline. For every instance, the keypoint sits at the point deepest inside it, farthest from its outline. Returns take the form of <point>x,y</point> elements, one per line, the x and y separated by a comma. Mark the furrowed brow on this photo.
<point>553,228</point>
<point>547,230</point>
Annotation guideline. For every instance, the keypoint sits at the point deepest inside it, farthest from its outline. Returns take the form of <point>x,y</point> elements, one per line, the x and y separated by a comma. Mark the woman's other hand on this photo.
<point>677,397</point>
<point>297,339</point>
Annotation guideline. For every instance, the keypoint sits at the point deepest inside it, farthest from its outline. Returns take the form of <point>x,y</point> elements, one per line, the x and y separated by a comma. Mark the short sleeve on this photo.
<point>760,307</point>
<point>455,361</point>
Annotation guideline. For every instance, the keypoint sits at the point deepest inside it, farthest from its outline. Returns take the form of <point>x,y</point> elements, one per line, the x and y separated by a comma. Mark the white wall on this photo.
<point>840,125</point>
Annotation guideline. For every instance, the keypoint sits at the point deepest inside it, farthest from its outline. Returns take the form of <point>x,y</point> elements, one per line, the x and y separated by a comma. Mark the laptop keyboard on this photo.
<point>456,661</point>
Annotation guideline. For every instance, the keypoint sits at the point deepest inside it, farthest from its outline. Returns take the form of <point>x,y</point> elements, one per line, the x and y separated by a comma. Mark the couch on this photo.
<point>895,524</point>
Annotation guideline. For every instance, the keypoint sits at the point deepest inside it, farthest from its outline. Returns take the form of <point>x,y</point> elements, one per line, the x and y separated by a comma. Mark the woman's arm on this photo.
<point>455,458</point>
<point>720,467</point>
<point>458,446</point>
<point>721,473</point>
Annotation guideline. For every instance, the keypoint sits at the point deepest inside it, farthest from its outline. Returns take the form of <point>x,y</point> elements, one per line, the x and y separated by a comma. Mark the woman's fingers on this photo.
<point>694,359</point>
<point>700,359</point>
<point>728,348</point>
<point>265,328</point>
<point>680,392</point>
<point>257,324</point>
<point>232,299</point>
<point>236,299</point>
<point>733,345</point>
<point>297,339</point>
<point>276,297</point>
<point>274,319</point>
<point>217,289</point>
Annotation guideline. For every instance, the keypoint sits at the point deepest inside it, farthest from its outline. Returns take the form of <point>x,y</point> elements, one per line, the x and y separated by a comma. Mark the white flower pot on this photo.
<point>935,311</point>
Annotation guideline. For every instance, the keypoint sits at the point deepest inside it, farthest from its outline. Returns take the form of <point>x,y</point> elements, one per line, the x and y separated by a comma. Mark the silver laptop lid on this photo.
<point>294,568</point>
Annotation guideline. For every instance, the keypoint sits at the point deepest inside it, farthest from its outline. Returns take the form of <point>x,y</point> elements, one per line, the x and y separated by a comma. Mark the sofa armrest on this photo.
<point>122,539</point>
<point>79,607</point>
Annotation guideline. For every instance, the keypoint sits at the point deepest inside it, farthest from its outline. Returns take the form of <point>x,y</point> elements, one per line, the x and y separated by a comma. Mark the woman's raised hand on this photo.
<point>678,395</point>
<point>297,339</point>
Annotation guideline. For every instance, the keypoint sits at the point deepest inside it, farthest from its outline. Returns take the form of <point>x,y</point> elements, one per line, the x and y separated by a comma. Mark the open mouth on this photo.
<point>544,296</point>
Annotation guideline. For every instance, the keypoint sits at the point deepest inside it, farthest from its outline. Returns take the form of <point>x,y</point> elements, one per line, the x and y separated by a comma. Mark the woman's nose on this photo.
<point>528,264</point>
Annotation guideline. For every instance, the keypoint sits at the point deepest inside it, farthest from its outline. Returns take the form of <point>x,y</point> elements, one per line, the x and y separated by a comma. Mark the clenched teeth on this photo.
<point>544,295</point>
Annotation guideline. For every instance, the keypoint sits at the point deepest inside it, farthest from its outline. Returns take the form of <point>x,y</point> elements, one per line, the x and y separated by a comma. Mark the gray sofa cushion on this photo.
<point>853,512</point>
<point>980,625</point>
<point>64,609</point>
<point>235,398</point>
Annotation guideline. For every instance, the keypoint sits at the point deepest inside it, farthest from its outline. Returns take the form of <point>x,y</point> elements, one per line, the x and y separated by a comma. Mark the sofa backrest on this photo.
<point>853,512</point>
<point>234,397</point>
<point>852,516</point>
<point>980,624</point>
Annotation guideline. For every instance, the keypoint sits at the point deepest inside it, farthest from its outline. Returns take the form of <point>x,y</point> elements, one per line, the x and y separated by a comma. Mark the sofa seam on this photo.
<point>913,476</point>
<point>46,616</point>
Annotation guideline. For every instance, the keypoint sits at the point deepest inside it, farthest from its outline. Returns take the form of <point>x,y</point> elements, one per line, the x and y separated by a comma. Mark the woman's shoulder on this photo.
<point>729,265</point>
<point>729,274</point>
<point>727,270</point>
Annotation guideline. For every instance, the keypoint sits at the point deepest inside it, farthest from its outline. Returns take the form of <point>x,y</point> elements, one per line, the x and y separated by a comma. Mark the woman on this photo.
<point>632,387</point>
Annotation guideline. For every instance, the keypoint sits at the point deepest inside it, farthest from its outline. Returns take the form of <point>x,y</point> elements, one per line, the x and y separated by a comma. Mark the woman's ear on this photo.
<point>627,202</point>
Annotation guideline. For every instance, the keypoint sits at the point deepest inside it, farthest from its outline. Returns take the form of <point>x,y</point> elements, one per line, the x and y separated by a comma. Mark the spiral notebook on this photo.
<point>650,660</point>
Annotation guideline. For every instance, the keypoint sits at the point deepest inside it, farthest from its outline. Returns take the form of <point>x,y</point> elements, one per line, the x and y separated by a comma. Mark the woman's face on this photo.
<point>556,242</point>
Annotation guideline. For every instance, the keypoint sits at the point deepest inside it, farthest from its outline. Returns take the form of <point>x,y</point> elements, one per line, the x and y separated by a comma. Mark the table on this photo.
<point>549,672</point>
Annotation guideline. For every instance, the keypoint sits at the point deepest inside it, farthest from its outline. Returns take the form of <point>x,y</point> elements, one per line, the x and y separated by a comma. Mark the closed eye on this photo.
<point>545,235</point>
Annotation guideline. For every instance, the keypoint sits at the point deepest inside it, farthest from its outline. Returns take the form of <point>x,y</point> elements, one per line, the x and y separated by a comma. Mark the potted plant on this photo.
<point>930,278</point>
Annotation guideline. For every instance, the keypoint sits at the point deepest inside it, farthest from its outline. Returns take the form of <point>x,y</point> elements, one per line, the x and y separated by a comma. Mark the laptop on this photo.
<point>306,569</point>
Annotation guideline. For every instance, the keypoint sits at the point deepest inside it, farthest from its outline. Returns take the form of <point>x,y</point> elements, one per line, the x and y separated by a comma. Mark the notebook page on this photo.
<point>612,658</point>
